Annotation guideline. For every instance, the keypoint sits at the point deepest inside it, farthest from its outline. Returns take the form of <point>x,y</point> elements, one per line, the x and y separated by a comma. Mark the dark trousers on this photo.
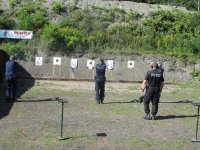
<point>10,87</point>
<point>100,89</point>
<point>152,95</point>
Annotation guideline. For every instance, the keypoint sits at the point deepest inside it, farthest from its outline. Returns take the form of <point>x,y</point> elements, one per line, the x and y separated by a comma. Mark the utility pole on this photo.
<point>198,4</point>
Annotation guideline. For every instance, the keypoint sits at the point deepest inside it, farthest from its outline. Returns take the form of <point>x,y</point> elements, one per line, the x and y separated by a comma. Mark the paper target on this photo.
<point>38,61</point>
<point>57,60</point>
<point>74,63</point>
<point>130,64</point>
<point>110,64</point>
<point>90,64</point>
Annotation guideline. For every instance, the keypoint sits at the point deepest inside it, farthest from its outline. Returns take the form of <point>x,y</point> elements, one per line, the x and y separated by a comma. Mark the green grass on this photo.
<point>134,142</point>
<point>34,92</point>
<point>116,110</point>
<point>133,88</point>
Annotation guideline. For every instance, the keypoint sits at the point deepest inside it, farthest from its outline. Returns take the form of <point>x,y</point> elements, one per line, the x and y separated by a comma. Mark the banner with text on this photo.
<point>16,34</point>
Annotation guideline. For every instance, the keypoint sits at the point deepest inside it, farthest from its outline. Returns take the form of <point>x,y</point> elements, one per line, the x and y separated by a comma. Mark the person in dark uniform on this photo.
<point>100,81</point>
<point>155,81</point>
<point>161,70</point>
<point>141,98</point>
<point>10,78</point>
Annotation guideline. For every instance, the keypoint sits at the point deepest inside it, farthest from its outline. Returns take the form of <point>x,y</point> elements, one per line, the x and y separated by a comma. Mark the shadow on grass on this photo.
<point>174,117</point>
<point>98,136</point>
<point>24,82</point>
<point>132,101</point>
<point>138,101</point>
<point>5,109</point>
<point>43,100</point>
<point>182,101</point>
<point>35,100</point>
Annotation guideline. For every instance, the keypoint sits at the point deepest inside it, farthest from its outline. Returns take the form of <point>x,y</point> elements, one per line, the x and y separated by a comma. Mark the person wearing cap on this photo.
<point>10,78</point>
<point>100,81</point>
<point>155,81</point>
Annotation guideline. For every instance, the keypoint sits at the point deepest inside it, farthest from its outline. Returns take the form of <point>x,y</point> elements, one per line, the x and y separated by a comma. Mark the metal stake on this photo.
<point>197,124</point>
<point>61,121</point>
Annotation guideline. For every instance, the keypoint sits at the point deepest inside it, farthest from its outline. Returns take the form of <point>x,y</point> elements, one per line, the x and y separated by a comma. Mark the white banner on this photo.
<point>16,34</point>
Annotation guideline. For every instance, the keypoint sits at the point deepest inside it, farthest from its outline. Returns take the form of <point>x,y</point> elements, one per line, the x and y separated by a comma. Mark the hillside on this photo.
<point>141,8</point>
<point>79,27</point>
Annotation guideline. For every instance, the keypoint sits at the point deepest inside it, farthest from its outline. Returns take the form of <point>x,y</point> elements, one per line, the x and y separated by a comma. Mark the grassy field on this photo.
<point>33,122</point>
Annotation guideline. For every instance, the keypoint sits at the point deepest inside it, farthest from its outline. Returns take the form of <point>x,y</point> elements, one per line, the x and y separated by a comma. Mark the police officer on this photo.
<point>141,98</point>
<point>100,81</point>
<point>160,68</point>
<point>155,81</point>
<point>10,79</point>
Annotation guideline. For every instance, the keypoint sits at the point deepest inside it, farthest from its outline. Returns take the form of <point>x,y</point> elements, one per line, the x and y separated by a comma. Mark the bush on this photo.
<point>7,23</point>
<point>14,48</point>
<point>51,39</point>
<point>31,18</point>
<point>13,3</point>
<point>195,73</point>
<point>57,7</point>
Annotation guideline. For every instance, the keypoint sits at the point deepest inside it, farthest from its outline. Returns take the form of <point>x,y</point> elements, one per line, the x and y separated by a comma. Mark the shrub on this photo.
<point>57,7</point>
<point>31,18</point>
<point>7,23</point>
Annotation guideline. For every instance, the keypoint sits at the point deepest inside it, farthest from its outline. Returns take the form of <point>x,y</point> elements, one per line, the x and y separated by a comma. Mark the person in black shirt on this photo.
<point>161,70</point>
<point>155,81</point>
<point>100,81</point>
<point>141,98</point>
<point>10,79</point>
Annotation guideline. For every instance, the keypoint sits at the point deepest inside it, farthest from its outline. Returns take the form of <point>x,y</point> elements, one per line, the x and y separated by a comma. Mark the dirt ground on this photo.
<point>34,121</point>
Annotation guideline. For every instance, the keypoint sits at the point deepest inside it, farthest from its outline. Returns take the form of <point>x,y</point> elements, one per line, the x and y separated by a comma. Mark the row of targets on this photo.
<point>74,63</point>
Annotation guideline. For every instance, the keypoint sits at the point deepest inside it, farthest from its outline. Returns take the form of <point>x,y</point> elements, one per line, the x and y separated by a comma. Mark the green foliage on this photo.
<point>31,17</point>
<point>51,39</point>
<point>7,23</point>
<point>69,22</point>
<point>23,49</point>
<point>13,3</point>
<point>71,7</point>
<point>171,33</point>
<point>57,7</point>
<point>74,40</point>
<point>109,30</point>
<point>195,72</point>
<point>97,42</point>
<point>18,48</point>
<point>66,40</point>
<point>189,4</point>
